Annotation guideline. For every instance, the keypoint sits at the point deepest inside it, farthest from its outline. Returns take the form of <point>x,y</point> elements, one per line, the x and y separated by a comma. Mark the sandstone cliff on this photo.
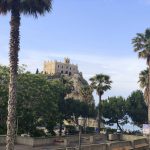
<point>81,89</point>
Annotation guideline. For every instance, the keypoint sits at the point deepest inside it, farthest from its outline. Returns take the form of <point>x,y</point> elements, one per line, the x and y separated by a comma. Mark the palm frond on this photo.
<point>141,44</point>
<point>143,78</point>
<point>27,7</point>
<point>35,7</point>
<point>101,83</point>
<point>5,6</point>
<point>147,33</point>
<point>144,54</point>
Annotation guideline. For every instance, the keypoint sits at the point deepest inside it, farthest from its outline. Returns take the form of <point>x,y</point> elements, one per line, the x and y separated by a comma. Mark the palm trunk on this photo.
<point>149,93</point>
<point>149,114</point>
<point>13,58</point>
<point>99,114</point>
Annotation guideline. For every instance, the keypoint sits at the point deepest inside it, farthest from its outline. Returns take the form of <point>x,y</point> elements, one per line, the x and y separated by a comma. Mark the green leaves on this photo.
<point>141,44</point>
<point>136,108</point>
<point>4,77</point>
<point>37,99</point>
<point>114,110</point>
<point>77,108</point>
<point>101,83</point>
<point>27,7</point>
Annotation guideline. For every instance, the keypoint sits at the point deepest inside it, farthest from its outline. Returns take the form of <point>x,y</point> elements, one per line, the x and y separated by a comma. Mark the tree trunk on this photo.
<point>148,113</point>
<point>149,93</point>
<point>60,128</point>
<point>13,58</point>
<point>119,126</point>
<point>99,113</point>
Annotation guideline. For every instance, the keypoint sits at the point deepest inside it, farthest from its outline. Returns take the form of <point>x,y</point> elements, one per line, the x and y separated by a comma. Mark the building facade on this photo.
<point>55,67</point>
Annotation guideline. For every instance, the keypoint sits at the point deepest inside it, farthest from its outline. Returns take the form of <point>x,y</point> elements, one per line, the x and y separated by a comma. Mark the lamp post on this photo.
<point>80,121</point>
<point>17,122</point>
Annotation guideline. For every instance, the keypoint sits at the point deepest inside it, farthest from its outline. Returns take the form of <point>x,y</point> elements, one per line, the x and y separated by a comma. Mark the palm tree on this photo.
<point>16,8</point>
<point>143,80</point>
<point>141,44</point>
<point>100,83</point>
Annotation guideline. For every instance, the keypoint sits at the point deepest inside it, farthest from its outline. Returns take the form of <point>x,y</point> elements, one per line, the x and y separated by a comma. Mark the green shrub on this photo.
<point>71,130</point>
<point>3,128</point>
<point>90,130</point>
<point>38,133</point>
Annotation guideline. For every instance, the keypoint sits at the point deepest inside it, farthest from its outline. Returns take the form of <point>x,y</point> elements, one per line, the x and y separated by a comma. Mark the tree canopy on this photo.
<point>114,110</point>
<point>39,99</point>
<point>136,108</point>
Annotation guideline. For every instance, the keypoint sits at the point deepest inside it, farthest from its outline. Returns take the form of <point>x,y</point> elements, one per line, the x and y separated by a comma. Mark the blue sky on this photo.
<point>95,34</point>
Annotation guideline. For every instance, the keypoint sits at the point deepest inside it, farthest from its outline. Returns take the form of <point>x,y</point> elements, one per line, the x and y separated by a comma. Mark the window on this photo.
<point>66,72</point>
<point>62,72</point>
<point>58,66</point>
<point>70,68</point>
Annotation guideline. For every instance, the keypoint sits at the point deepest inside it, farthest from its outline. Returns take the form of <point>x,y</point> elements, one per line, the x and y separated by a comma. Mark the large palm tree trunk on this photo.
<point>99,114</point>
<point>149,114</point>
<point>13,58</point>
<point>148,103</point>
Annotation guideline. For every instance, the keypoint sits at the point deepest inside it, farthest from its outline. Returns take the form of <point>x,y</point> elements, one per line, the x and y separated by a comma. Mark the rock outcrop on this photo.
<point>81,89</point>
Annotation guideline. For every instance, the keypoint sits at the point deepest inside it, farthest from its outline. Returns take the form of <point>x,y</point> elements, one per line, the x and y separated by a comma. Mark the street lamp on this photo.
<point>17,122</point>
<point>80,123</point>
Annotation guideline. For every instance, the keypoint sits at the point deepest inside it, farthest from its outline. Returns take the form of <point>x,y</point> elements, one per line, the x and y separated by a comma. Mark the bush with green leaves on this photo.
<point>136,108</point>
<point>90,130</point>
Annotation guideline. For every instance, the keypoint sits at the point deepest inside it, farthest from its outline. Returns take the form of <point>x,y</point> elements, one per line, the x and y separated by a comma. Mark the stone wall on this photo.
<point>95,147</point>
<point>131,137</point>
<point>25,140</point>
<point>115,145</point>
<point>66,140</point>
<point>138,142</point>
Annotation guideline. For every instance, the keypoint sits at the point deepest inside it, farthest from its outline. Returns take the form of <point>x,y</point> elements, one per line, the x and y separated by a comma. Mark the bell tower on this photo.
<point>66,60</point>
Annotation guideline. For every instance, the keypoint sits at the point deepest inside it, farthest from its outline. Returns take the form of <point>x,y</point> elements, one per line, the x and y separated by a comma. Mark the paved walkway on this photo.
<point>24,147</point>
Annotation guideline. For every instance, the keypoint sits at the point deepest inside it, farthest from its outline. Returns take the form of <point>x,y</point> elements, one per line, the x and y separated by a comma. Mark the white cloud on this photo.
<point>123,71</point>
